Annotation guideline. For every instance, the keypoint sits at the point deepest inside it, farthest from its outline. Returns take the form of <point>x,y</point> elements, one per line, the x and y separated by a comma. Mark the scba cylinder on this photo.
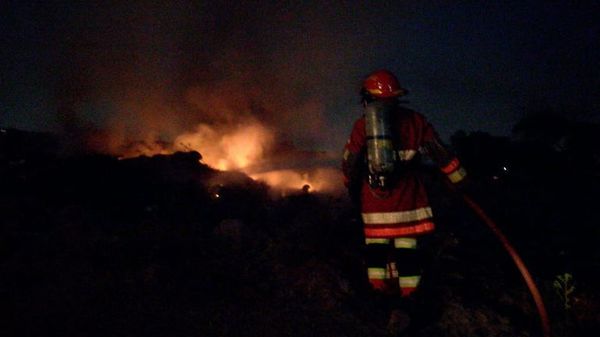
<point>381,156</point>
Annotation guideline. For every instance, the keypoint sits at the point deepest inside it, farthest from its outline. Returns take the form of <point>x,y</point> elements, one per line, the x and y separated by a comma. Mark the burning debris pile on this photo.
<point>250,148</point>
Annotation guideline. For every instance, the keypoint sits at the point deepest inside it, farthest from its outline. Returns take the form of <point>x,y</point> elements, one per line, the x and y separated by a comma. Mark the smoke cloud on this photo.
<point>138,76</point>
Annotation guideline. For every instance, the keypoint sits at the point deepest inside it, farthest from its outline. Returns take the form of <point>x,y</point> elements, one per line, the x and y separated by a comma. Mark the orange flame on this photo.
<point>244,147</point>
<point>228,149</point>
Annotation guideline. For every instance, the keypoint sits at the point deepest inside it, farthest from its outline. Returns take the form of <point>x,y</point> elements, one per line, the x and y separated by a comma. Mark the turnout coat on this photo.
<point>401,209</point>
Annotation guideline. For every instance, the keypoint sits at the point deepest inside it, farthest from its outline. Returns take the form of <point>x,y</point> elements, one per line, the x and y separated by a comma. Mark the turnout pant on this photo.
<point>394,265</point>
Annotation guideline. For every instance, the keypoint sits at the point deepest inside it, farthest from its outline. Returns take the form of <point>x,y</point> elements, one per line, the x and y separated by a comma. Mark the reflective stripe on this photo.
<point>377,273</point>
<point>399,231</point>
<point>457,175</point>
<point>346,153</point>
<point>409,243</point>
<point>409,281</point>
<point>406,154</point>
<point>397,217</point>
<point>452,165</point>
<point>381,241</point>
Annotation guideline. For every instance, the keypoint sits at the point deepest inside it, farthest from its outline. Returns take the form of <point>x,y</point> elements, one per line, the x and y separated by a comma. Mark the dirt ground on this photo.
<point>95,246</point>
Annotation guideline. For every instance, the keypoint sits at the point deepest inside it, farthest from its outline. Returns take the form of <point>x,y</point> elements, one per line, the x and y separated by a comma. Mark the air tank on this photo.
<point>381,156</point>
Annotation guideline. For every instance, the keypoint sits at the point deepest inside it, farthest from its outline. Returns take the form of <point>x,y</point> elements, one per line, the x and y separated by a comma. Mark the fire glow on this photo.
<point>248,148</point>
<point>318,179</point>
<point>225,150</point>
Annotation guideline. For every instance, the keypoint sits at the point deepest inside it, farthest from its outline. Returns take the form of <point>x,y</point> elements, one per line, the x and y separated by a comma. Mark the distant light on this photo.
<point>217,195</point>
<point>504,168</point>
<point>3,130</point>
<point>495,177</point>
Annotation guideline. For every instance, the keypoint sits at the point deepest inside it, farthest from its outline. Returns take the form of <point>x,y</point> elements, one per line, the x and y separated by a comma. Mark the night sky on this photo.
<point>157,69</point>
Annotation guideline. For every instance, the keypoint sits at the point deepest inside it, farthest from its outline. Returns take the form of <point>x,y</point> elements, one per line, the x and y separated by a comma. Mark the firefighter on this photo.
<point>381,172</point>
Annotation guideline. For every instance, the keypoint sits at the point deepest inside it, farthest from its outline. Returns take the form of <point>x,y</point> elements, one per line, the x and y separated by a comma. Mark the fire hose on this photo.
<point>533,289</point>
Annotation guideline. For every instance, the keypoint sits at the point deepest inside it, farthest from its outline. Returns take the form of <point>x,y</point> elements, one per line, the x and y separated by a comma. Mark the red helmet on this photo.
<point>383,84</point>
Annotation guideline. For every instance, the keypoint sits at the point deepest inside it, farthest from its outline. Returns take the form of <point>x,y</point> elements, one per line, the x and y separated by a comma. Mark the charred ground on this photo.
<point>153,246</point>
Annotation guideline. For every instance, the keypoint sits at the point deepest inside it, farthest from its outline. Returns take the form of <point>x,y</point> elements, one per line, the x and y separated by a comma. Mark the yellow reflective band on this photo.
<point>409,281</point>
<point>457,175</point>
<point>377,273</point>
<point>409,243</point>
<point>377,241</point>
<point>397,217</point>
<point>406,154</point>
